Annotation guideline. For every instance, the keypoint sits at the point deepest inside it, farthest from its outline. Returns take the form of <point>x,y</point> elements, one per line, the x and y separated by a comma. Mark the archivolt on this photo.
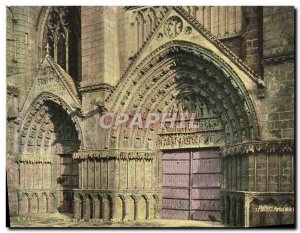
<point>179,69</point>
<point>35,129</point>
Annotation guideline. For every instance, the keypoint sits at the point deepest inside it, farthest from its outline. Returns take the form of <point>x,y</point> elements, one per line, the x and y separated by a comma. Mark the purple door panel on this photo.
<point>191,185</point>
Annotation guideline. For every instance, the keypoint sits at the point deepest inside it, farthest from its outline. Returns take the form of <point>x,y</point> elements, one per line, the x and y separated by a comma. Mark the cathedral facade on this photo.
<point>234,66</point>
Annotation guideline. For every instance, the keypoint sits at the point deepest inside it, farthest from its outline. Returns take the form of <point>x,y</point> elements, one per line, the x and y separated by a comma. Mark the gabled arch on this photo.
<point>34,203</point>
<point>23,203</point>
<point>270,218</point>
<point>78,200</point>
<point>33,124</point>
<point>52,198</point>
<point>178,66</point>
<point>255,217</point>
<point>270,201</point>
<point>287,202</point>
<point>288,216</point>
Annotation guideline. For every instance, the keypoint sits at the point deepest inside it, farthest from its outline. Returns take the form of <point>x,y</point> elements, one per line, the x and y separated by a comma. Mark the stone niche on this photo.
<point>258,183</point>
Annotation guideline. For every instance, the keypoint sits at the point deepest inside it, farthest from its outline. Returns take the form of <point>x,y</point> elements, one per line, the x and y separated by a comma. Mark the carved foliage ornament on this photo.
<point>113,154</point>
<point>47,75</point>
<point>173,27</point>
<point>284,146</point>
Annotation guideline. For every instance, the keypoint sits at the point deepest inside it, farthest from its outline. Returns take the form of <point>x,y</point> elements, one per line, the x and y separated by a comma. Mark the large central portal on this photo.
<point>191,185</point>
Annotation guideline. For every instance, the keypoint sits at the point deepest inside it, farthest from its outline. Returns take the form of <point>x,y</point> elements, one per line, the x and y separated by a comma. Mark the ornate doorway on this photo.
<point>191,185</point>
<point>179,77</point>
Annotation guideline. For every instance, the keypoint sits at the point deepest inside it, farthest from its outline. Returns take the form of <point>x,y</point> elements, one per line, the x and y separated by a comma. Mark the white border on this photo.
<point>5,3</point>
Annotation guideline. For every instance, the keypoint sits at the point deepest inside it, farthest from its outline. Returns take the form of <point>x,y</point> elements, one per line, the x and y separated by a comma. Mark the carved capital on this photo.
<point>283,146</point>
<point>113,154</point>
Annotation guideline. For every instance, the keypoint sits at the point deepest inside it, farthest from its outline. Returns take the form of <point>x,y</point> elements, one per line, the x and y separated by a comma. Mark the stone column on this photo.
<point>113,208</point>
<point>238,214</point>
<point>84,209</point>
<point>96,209</point>
<point>105,208</point>
<point>247,211</point>
<point>232,211</point>
<point>77,208</point>
<point>225,211</point>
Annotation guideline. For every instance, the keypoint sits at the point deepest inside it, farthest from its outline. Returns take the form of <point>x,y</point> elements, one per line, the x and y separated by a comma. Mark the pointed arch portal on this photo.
<point>48,137</point>
<point>184,74</point>
<point>183,77</point>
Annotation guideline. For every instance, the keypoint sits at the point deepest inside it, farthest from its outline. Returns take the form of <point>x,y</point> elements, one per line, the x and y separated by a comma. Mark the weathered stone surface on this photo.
<point>66,66</point>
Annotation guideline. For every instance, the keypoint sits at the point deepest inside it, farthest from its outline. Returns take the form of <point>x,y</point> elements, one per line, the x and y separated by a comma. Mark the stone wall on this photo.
<point>20,70</point>
<point>277,120</point>
<point>92,40</point>
<point>129,188</point>
<point>99,46</point>
<point>226,23</point>
<point>21,41</point>
<point>118,186</point>
<point>255,175</point>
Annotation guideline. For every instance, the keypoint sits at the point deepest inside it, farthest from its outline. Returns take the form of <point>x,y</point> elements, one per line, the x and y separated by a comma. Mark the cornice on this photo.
<point>283,146</point>
<point>113,154</point>
<point>98,87</point>
<point>34,159</point>
<point>269,61</point>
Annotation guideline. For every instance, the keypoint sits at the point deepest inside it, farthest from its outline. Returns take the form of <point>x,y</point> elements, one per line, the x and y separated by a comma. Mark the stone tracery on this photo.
<point>61,39</point>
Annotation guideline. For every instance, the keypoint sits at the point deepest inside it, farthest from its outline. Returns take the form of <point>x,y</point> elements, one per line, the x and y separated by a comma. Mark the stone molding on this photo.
<point>113,154</point>
<point>150,88</point>
<point>39,106</point>
<point>219,44</point>
<point>95,193</point>
<point>269,61</point>
<point>259,146</point>
<point>33,159</point>
<point>250,193</point>
<point>257,79</point>
<point>65,78</point>
<point>100,87</point>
